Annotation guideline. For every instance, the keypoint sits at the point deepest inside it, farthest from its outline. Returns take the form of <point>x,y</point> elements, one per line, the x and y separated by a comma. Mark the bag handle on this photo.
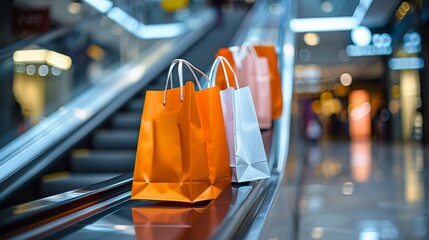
<point>245,48</point>
<point>180,73</point>
<point>212,75</point>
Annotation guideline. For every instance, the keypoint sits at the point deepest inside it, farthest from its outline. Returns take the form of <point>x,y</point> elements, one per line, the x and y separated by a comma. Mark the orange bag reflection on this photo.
<point>182,153</point>
<point>175,222</point>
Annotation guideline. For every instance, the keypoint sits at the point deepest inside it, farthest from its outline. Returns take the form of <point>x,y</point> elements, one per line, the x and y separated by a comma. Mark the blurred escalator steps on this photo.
<point>102,161</point>
<point>61,182</point>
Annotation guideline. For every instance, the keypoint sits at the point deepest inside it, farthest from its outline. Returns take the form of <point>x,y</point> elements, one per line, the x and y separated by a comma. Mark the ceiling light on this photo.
<point>322,24</point>
<point>361,36</point>
<point>331,23</point>
<point>326,6</point>
<point>346,79</point>
<point>52,58</point>
<point>311,39</point>
<point>29,56</point>
<point>100,5</point>
<point>142,30</point>
<point>58,60</point>
<point>361,10</point>
<point>74,8</point>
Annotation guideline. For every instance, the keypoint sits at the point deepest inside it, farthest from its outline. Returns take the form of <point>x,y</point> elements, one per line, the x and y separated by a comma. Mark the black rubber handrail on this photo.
<point>237,224</point>
<point>15,220</point>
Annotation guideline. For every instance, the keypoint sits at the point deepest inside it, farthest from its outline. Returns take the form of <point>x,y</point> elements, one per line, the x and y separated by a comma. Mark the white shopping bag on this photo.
<point>248,161</point>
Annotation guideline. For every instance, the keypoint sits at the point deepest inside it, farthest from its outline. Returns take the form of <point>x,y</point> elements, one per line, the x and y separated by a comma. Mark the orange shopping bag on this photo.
<point>269,52</point>
<point>253,71</point>
<point>266,51</point>
<point>179,156</point>
<point>220,78</point>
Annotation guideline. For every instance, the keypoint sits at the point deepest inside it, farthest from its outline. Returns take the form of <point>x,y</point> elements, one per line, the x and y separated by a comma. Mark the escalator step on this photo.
<point>136,105</point>
<point>115,139</point>
<point>62,182</point>
<point>84,160</point>
<point>127,120</point>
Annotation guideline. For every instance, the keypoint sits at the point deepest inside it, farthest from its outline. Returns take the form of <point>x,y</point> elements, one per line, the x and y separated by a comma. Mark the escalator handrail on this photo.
<point>17,219</point>
<point>235,223</point>
<point>47,142</point>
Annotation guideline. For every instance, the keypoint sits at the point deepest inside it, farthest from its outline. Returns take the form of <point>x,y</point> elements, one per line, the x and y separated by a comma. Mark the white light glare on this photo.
<point>331,23</point>
<point>288,49</point>
<point>100,5</point>
<point>360,111</point>
<point>346,79</point>
<point>361,36</point>
<point>361,10</point>
<point>322,24</point>
<point>141,30</point>
<point>348,188</point>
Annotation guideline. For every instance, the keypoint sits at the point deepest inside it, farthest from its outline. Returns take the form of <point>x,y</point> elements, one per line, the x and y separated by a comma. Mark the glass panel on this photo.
<point>38,78</point>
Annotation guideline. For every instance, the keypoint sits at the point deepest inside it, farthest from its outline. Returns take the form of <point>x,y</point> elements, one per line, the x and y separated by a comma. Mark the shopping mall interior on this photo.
<point>342,121</point>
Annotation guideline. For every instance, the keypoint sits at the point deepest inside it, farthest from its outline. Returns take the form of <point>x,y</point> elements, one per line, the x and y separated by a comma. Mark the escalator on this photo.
<point>87,176</point>
<point>110,149</point>
<point>101,146</point>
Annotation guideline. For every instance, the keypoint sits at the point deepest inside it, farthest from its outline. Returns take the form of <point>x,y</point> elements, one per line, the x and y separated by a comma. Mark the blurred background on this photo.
<point>348,156</point>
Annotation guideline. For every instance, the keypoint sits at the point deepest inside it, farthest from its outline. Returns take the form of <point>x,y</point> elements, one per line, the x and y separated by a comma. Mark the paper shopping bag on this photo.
<point>247,156</point>
<point>175,159</point>
<point>262,50</point>
<point>253,71</point>
<point>220,78</point>
<point>269,52</point>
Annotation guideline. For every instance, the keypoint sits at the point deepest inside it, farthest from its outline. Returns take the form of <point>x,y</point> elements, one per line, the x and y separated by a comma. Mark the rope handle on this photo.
<point>180,73</point>
<point>212,75</point>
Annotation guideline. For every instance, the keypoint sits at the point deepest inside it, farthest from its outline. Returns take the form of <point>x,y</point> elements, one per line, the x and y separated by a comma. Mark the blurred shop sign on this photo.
<point>406,63</point>
<point>30,21</point>
<point>358,51</point>
<point>412,43</point>
<point>381,43</point>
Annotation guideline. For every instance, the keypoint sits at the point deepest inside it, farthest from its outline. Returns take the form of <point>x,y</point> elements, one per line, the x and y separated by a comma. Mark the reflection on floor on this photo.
<point>352,190</point>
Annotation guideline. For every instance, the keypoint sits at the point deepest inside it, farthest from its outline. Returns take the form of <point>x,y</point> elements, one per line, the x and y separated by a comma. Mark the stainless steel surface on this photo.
<point>155,220</point>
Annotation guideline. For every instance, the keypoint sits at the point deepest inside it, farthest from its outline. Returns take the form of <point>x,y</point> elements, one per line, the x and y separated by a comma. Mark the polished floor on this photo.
<point>352,190</point>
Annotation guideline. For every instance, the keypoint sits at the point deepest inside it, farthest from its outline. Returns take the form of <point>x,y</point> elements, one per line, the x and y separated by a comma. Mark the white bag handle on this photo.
<point>215,66</point>
<point>180,73</point>
<point>245,48</point>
